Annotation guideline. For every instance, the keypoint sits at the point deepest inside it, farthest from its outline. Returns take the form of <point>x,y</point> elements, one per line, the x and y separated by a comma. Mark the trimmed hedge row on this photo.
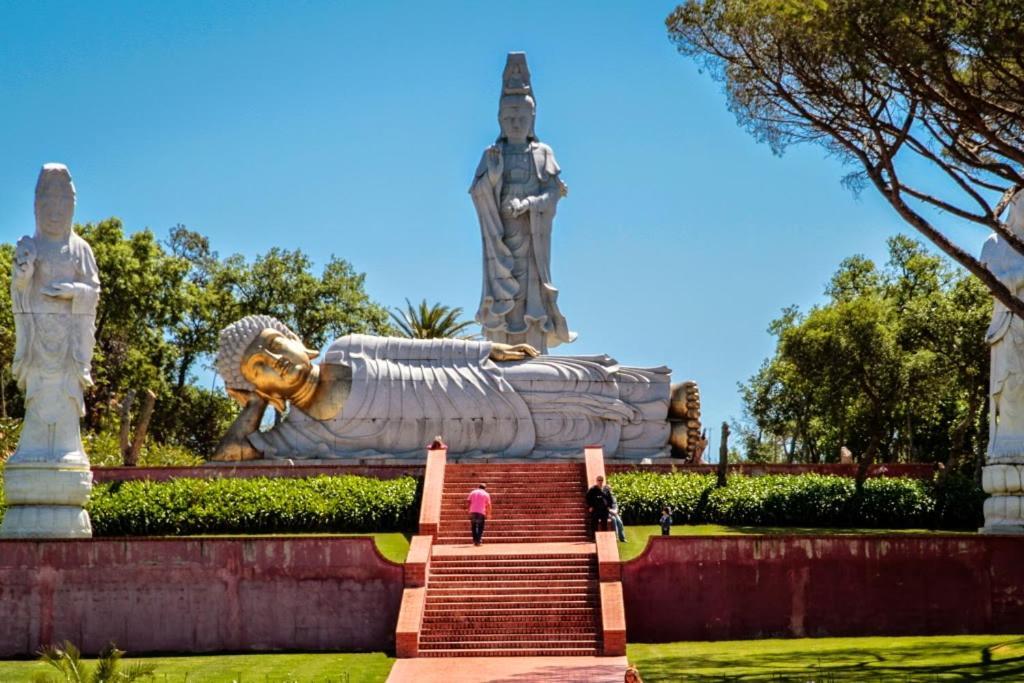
<point>253,506</point>
<point>353,504</point>
<point>812,500</point>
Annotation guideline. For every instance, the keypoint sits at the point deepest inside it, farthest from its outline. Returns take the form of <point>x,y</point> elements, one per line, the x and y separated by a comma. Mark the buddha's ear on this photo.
<point>275,401</point>
<point>312,353</point>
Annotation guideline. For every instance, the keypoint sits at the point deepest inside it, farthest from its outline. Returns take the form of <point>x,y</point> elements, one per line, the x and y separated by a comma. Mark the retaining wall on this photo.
<point>723,588</point>
<point>198,595</point>
<point>912,470</point>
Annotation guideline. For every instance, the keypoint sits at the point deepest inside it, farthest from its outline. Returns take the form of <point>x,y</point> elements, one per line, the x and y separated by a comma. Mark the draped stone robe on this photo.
<point>513,261</point>
<point>1005,337</point>
<point>404,392</point>
<point>53,349</point>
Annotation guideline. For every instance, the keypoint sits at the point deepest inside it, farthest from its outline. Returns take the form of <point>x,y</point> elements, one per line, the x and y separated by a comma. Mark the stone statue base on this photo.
<point>46,500</point>
<point>1004,509</point>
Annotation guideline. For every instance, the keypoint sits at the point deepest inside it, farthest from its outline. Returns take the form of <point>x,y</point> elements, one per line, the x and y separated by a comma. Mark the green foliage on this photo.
<point>425,321</point>
<point>810,500</point>
<point>895,360</point>
<point>162,307</point>
<point>249,506</point>
<point>104,449</point>
<point>902,90</point>
<point>68,661</point>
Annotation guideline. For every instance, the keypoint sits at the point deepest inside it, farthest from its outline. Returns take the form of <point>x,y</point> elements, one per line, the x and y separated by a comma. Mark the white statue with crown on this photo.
<point>503,397</point>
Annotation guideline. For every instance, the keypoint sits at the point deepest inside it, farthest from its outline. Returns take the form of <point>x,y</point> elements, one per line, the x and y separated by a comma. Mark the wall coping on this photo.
<point>915,536</point>
<point>218,538</point>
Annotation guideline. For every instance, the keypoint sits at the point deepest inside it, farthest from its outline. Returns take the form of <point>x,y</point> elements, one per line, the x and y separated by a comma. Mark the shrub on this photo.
<point>811,500</point>
<point>104,450</point>
<point>258,505</point>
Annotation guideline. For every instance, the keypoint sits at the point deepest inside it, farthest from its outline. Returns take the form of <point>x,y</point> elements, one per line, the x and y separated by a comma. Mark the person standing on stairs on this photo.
<point>599,502</point>
<point>479,510</point>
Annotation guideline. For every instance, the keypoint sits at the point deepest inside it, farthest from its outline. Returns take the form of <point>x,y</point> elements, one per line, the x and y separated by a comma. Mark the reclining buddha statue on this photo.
<point>385,397</point>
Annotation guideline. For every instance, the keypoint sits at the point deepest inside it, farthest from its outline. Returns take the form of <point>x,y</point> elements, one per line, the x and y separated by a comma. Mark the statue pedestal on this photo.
<point>1004,509</point>
<point>46,500</point>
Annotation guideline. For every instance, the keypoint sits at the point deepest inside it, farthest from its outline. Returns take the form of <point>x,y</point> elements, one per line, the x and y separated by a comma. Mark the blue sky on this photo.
<point>354,129</point>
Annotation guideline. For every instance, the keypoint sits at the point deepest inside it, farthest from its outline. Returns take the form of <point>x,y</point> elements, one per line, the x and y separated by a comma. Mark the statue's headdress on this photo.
<point>516,85</point>
<point>55,174</point>
<point>235,339</point>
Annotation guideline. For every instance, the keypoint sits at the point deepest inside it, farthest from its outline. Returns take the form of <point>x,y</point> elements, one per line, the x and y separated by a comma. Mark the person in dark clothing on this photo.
<point>599,501</point>
<point>665,522</point>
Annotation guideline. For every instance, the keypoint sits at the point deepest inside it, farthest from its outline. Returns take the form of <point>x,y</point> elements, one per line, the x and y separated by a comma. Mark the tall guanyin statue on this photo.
<point>55,288</point>
<point>516,189</point>
<point>386,397</point>
<point>1003,474</point>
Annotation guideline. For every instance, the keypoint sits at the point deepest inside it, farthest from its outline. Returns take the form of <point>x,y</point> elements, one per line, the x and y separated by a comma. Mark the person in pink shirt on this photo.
<point>479,510</point>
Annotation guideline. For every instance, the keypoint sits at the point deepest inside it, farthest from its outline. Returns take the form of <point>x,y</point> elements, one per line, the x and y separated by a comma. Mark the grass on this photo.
<point>637,535</point>
<point>935,658</point>
<point>819,660</point>
<point>372,667</point>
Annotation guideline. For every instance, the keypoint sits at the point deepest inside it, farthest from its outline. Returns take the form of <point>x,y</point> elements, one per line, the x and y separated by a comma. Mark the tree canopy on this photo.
<point>896,88</point>
<point>893,364</point>
<point>162,306</point>
<point>429,321</point>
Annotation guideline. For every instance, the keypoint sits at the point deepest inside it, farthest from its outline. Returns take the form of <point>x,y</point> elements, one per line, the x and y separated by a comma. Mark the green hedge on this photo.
<point>253,506</point>
<point>811,500</point>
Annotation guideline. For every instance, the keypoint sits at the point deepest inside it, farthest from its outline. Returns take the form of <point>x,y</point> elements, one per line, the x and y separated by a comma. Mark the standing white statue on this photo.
<point>54,289</point>
<point>516,190</point>
<point>1003,474</point>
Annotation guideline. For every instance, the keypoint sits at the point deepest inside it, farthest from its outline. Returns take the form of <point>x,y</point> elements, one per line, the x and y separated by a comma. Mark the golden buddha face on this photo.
<point>277,365</point>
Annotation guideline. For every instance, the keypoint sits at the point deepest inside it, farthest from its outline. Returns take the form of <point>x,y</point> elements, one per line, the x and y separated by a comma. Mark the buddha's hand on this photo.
<point>62,290</point>
<point>507,352</point>
<point>495,164</point>
<point>24,260</point>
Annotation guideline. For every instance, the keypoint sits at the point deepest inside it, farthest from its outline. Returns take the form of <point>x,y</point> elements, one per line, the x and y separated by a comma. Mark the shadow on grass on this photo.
<point>944,661</point>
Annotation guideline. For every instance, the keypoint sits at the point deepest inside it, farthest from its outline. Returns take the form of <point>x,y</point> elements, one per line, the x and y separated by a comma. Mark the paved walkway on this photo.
<point>509,670</point>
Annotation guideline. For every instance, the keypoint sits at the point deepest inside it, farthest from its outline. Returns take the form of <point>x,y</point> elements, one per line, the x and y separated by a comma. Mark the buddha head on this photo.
<point>260,354</point>
<point>55,201</point>
<point>516,116</point>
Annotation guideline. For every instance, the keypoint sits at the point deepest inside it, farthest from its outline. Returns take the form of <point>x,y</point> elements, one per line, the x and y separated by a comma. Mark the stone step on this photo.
<point>469,573</point>
<point>466,540</point>
<point>510,560</point>
<point>526,593</point>
<point>511,580</point>
<point>518,613</point>
<point>430,651</point>
<point>471,643</point>
<point>511,635</point>
<point>501,624</point>
<point>518,527</point>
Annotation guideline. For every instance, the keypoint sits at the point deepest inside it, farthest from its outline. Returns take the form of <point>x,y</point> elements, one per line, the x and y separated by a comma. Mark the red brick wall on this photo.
<point>786,586</point>
<point>101,474</point>
<point>198,595</point>
<point>913,470</point>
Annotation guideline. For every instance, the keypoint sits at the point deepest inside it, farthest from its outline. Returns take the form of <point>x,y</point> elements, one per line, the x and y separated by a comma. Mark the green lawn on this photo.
<point>806,660</point>
<point>636,536</point>
<point>280,668</point>
<point>937,658</point>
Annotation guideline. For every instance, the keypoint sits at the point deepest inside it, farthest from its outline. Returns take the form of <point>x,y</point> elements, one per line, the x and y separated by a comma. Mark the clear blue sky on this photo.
<point>354,129</point>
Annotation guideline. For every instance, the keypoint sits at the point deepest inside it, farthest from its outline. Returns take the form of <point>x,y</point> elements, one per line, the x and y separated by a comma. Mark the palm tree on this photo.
<point>68,661</point>
<point>430,322</point>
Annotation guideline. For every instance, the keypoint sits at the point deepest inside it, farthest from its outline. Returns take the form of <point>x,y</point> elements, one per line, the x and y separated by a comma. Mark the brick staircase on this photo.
<point>539,585</point>
<point>512,605</point>
<point>532,503</point>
